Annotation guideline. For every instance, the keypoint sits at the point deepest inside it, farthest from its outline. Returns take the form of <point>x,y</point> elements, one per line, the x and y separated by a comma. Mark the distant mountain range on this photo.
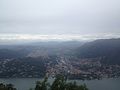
<point>37,49</point>
<point>106,49</point>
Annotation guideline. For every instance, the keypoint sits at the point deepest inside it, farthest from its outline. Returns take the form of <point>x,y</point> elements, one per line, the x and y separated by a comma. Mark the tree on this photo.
<point>7,87</point>
<point>60,83</point>
<point>42,85</point>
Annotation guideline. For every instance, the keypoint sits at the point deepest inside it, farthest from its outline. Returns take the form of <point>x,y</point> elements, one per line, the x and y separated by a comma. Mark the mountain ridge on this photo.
<point>108,49</point>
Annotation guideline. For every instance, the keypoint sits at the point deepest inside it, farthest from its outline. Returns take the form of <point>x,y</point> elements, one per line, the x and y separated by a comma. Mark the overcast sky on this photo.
<point>81,17</point>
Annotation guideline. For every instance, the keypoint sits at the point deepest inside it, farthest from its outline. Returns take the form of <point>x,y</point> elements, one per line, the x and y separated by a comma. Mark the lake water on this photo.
<point>104,84</point>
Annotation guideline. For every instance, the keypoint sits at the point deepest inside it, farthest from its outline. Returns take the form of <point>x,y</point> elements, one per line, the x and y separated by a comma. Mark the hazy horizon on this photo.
<point>59,20</point>
<point>16,39</point>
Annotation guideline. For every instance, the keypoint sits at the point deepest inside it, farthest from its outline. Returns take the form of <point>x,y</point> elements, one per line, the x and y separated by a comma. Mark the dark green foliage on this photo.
<point>60,83</point>
<point>6,87</point>
<point>41,85</point>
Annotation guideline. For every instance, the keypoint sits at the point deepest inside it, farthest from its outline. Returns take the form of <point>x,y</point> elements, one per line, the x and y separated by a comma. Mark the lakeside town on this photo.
<point>86,69</point>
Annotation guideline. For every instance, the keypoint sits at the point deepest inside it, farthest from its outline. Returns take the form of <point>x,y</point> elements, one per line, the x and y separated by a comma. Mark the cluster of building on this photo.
<point>83,69</point>
<point>72,68</point>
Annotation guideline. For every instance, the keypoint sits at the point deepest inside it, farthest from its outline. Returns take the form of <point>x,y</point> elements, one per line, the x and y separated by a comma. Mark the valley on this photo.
<point>76,60</point>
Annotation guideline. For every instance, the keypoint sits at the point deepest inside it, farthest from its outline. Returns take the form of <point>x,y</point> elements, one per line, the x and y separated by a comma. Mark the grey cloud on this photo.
<point>59,16</point>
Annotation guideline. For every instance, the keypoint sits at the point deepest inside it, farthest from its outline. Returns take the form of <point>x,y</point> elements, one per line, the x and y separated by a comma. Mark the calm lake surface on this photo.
<point>104,84</point>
